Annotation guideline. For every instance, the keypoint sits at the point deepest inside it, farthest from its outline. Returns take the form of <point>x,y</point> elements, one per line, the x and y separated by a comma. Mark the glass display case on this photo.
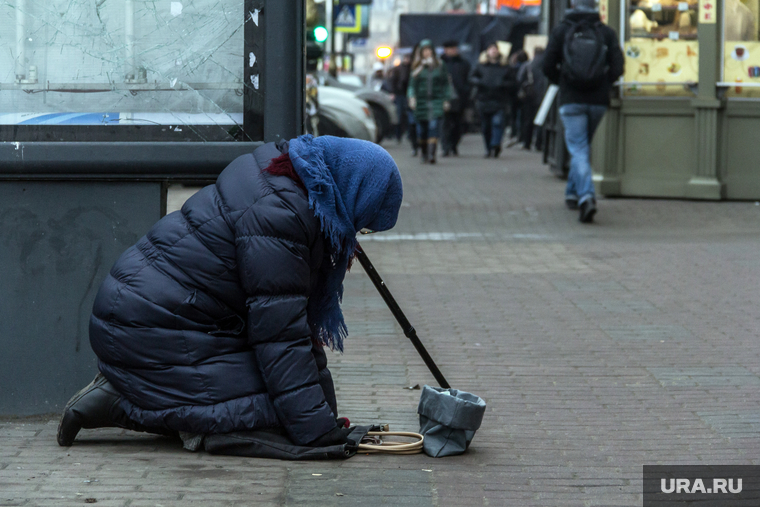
<point>741,49</point>
<point>122,70</point>
<point>660,46</point>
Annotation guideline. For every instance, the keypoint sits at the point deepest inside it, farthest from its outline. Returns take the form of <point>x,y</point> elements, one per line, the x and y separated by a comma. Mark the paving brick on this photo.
<point>598,348</point>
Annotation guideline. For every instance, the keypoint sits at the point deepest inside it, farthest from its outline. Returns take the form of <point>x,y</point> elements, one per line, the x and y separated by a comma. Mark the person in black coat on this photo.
<point>494,80</point>
<point>516,62</point>
<point>582,108</point>
<point>398,83</point>
<point>453,119</point>
<point>215,321</point>
<point>533,85</point>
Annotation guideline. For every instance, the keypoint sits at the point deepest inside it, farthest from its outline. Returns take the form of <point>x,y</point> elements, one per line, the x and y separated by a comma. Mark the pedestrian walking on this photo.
<point>215,321</point>
<point>429,92</point>
<point>453,119</point>
<point>583,56</point>
<point>533,85</point>
<point>398,82</point>
<point>516,61</point>
<point>493,81</point>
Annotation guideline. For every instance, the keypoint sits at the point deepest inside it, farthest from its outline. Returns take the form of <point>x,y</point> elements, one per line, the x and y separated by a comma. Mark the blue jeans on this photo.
<point>580,121</point>
<point>492,126</point>
<point>428,129</point>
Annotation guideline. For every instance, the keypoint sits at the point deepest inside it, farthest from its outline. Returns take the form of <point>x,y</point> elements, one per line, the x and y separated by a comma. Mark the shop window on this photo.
<point>123,70</point>
<point>741,49</point>
<point>661,48</point>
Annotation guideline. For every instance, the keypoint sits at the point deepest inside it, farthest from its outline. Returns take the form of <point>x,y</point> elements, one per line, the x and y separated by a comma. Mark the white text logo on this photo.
<point>698,486</point>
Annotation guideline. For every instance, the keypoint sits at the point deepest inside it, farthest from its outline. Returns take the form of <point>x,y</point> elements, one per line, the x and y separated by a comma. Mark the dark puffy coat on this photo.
<point>202,324</point>
<point>430,88</point>
<point>553,57</point>
<point>494,82</point>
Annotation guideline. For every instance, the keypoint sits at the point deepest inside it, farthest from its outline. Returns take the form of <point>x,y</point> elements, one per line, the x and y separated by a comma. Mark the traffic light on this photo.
<point>383,52</point>
<point>320,34</point>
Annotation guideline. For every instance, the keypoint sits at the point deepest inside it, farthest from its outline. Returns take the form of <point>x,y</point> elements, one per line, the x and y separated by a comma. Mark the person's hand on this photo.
<point>412,103</point>
<point>446,106</point>
<point>336,436</point>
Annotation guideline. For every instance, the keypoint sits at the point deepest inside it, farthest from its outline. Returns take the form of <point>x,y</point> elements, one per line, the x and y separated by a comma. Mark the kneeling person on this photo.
<point>215,321</point>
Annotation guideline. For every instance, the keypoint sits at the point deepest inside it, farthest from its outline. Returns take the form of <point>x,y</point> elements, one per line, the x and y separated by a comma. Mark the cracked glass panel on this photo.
<point>172,68</point>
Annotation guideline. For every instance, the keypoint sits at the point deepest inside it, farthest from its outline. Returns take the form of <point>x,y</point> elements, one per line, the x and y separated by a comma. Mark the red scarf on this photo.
<point>281,166</point>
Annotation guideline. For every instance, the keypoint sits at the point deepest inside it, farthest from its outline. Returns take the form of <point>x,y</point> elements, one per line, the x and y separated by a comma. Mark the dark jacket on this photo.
<point>553,62</point>
<point>494,83</point>
<point>398,80</point>
<point>202,325</point>
<point>533,81</point>
<point>430,88</point>
<point>459,72</point>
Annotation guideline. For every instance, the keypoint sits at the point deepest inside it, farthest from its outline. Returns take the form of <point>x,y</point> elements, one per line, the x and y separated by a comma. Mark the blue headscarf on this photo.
<point>352,185</point>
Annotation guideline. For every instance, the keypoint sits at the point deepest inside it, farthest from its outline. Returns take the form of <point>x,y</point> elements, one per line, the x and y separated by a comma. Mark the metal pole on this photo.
<point>20,40</point>
<point>284,68</point>
<point>333,66</point>
<point>409,330</point>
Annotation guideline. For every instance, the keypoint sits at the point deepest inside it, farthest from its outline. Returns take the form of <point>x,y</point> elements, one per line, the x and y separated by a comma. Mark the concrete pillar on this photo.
<point>705,183</point>
<point>608,140</point>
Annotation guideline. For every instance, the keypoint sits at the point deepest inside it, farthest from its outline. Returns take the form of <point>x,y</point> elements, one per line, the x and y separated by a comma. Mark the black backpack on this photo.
<point>584,57</point>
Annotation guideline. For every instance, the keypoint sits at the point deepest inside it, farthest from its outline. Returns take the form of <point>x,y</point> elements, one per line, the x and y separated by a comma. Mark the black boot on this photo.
<point>97,406</point>
<point>587,211</point>
<point>424,151</point>
<point>433,147</point>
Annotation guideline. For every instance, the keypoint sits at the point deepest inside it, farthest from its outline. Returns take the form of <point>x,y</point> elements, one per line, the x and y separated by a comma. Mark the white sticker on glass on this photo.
<point>683,6</point>
<point>656,7</point>
<point>251,59</point>
<point>176,8</point>
<point>674,35</point>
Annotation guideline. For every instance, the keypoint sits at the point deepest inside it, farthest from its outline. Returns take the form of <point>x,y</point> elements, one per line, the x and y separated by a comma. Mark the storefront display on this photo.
<point>661,49</point>
<point>741,51</point>
<point>687,119</point>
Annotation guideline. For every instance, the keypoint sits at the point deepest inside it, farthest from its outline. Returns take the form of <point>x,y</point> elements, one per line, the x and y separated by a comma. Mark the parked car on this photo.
<point>341,113</point>
<point>381,103</point>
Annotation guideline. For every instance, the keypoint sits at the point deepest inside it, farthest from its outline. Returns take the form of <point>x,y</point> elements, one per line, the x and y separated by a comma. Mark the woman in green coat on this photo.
<point>429,93</point>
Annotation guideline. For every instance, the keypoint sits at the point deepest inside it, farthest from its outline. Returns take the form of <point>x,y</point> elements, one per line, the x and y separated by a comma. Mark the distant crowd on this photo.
<point>582,57</point>
<point>437,98</point>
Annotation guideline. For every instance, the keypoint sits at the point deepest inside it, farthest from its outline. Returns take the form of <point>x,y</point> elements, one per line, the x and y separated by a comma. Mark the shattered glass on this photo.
<point>117,63</point>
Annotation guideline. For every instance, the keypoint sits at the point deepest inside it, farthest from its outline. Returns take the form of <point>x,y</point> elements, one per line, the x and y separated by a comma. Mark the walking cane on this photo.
<point>409,330</point>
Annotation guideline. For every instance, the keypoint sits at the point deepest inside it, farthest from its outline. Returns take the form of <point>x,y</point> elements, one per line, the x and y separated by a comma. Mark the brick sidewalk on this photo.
<point>599,348</point>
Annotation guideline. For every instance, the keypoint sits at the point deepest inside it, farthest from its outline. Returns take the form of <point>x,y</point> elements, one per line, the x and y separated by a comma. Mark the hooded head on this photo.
<point>352,185</point>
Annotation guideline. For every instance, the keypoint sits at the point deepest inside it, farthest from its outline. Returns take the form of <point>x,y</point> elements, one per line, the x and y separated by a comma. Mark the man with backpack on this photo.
<point>584,57</point>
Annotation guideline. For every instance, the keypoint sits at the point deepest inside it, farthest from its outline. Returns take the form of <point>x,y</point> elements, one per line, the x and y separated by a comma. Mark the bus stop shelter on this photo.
<point>103,107</point>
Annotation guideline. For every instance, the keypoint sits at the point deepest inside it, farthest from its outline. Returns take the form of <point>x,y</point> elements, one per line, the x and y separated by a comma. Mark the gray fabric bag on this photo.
<point>448,420</point>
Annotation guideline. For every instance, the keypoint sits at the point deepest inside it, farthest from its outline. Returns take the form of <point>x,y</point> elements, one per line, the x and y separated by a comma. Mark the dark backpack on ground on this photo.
<point>584,57</point>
